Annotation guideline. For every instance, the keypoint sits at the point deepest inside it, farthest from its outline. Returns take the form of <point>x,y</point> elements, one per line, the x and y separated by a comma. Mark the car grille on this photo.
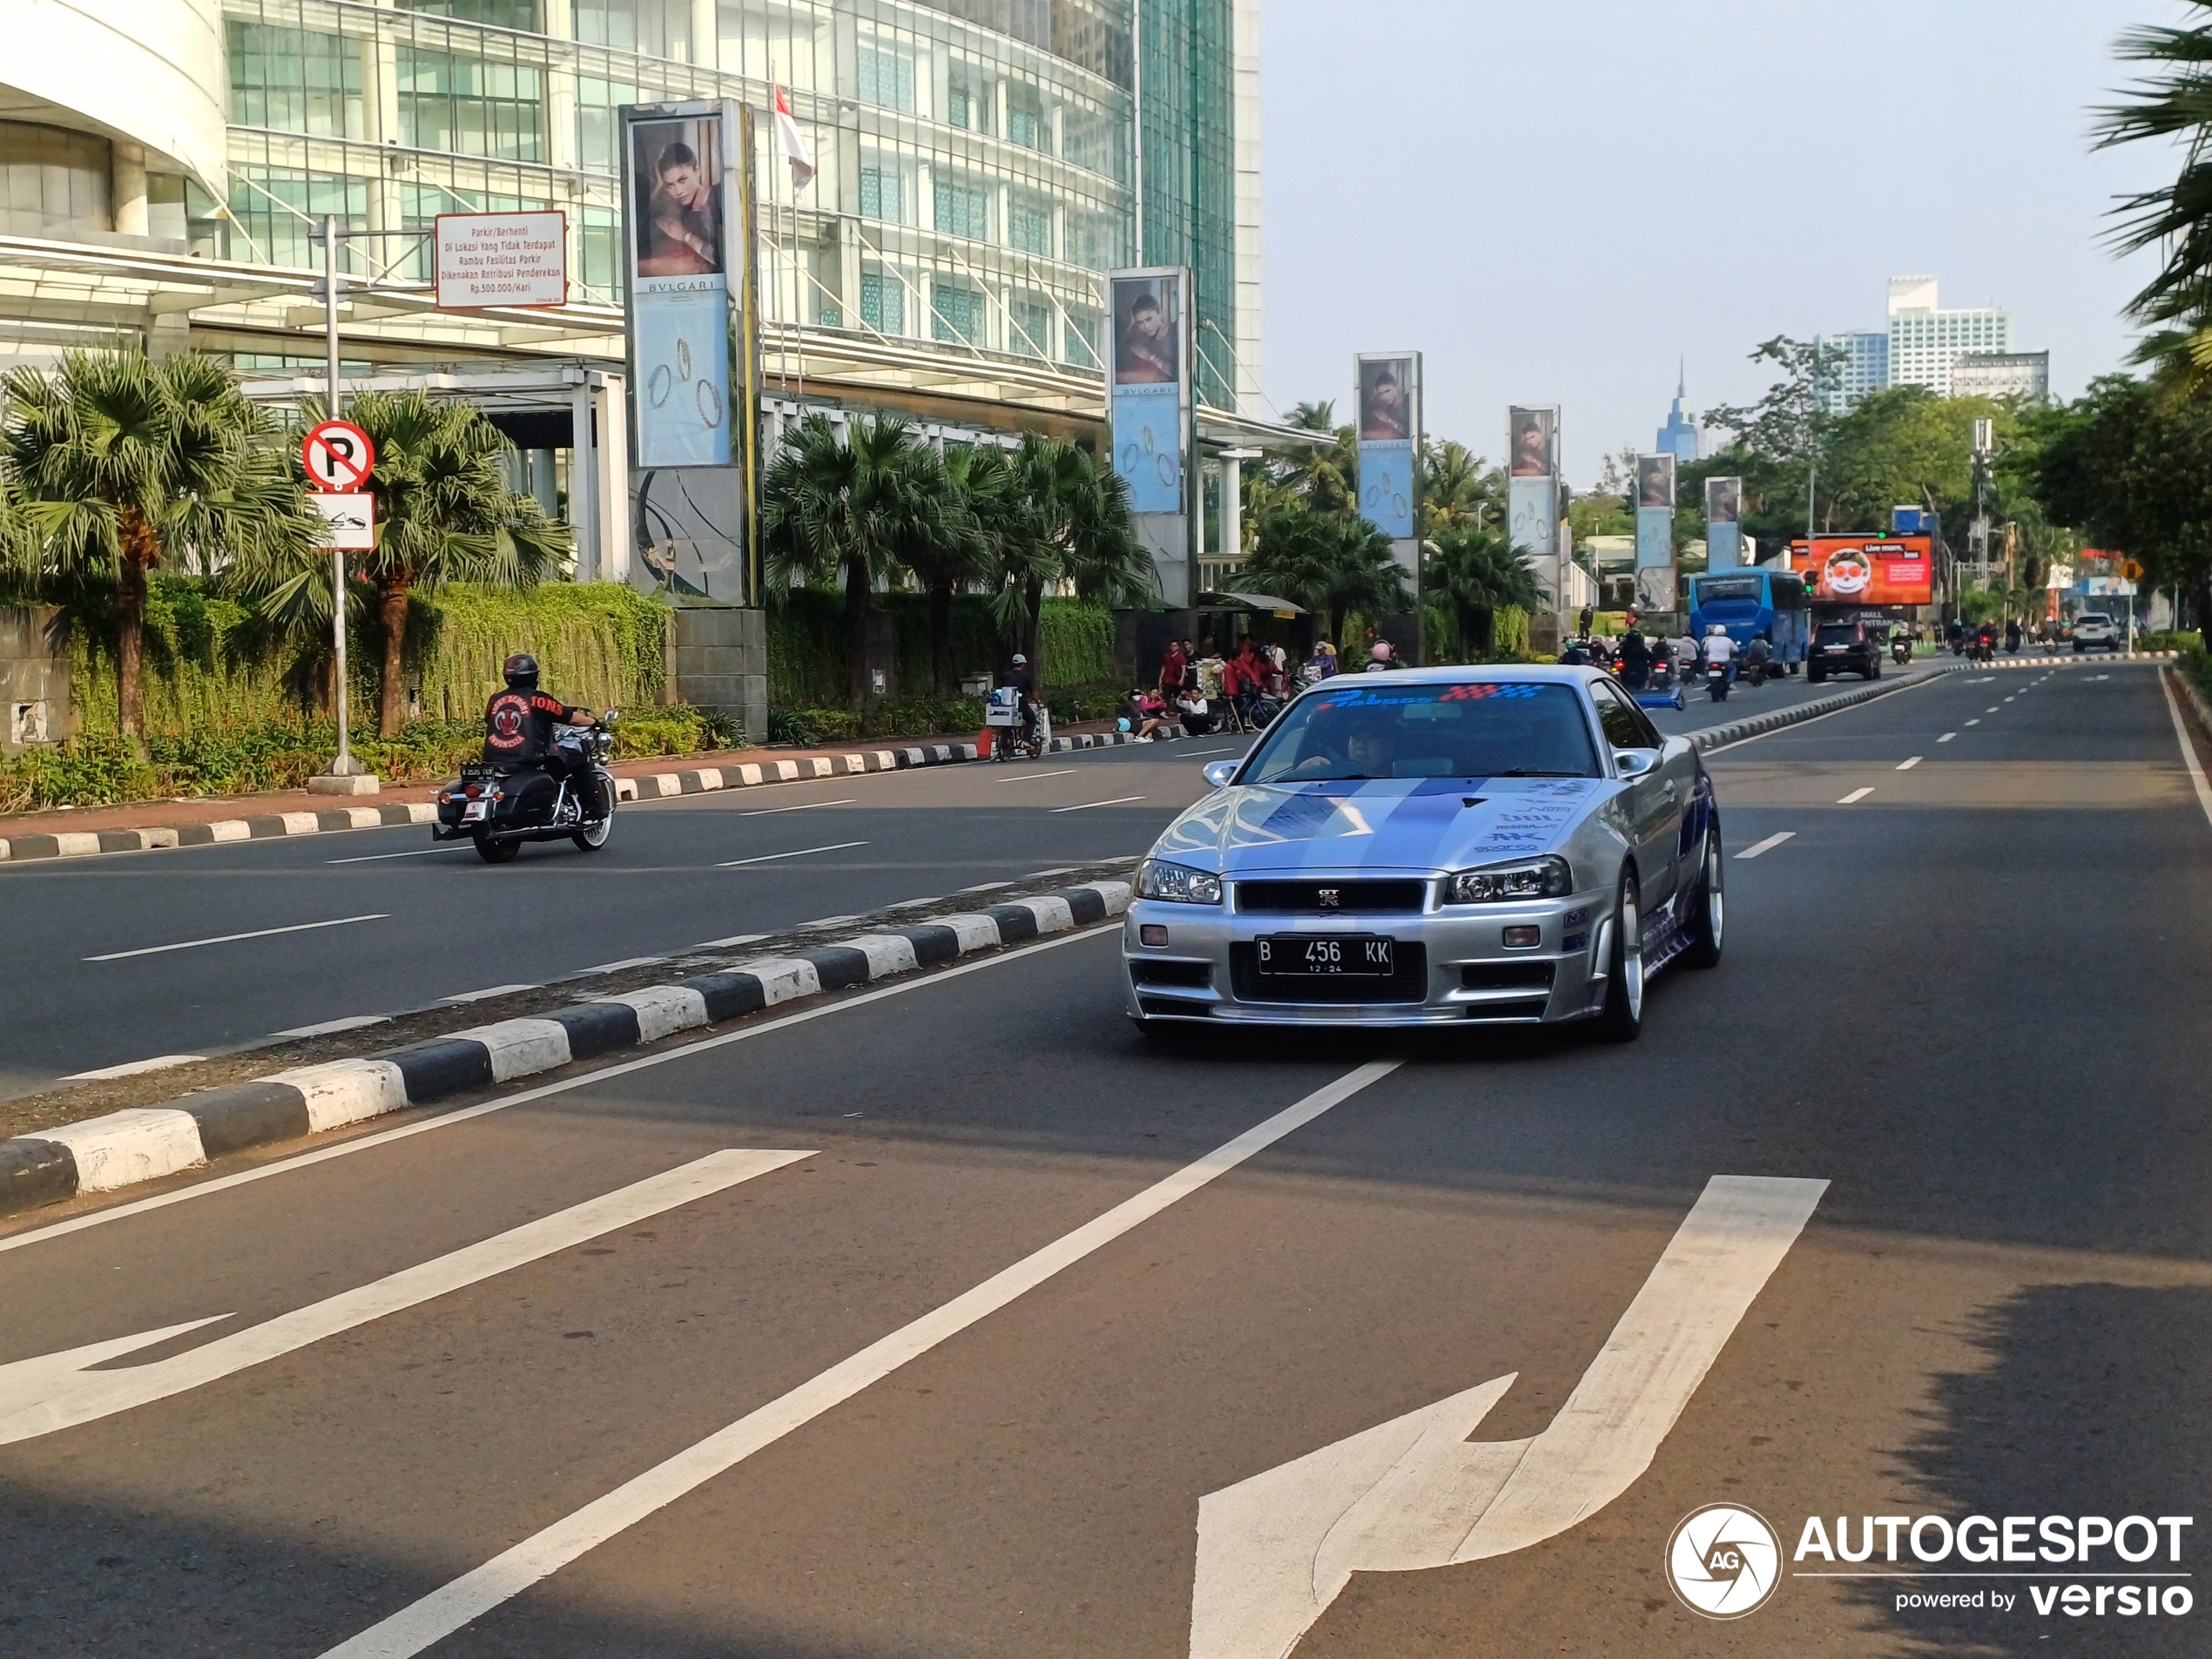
<point>1408,984</point>
<point>1349,895</point>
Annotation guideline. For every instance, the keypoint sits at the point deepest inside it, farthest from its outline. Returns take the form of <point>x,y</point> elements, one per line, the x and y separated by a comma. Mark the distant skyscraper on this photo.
<point>1678,437</point>
<point>1919,347</point>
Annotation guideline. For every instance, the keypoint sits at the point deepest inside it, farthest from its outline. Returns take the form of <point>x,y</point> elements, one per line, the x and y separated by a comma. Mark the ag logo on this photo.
<point>1724,1561</point>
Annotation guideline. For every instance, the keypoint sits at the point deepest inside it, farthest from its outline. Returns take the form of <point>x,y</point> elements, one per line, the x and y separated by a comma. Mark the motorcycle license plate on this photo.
<point>1326,956</point>
<point>474,811</point>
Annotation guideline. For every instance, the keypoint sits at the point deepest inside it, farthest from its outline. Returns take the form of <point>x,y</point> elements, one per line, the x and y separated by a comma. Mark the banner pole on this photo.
<point>343,766</point>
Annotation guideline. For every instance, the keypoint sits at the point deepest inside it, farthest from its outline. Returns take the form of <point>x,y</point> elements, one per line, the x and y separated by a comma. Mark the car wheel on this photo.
<point>1814,676</point>
<point>493,852</point>
<point>1622,1020</point>
<point>1709,916</point>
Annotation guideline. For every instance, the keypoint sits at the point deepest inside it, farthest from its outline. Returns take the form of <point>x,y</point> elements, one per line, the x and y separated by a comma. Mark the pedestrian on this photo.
<point>1172,663</point>
<point>1589,616</point>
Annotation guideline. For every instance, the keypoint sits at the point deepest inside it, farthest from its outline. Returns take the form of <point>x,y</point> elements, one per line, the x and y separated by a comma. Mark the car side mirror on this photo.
<point>1635,762</point>
<point>1218,773</point>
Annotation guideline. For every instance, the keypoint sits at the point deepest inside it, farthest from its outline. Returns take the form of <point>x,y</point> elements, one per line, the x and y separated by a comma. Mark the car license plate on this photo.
<point>1327,955</point>
<point>474,811</point>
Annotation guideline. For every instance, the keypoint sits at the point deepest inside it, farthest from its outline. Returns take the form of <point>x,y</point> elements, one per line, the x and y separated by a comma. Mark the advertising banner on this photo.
<point>1724,523</point>
<point>1389,429</point>
<point>1655,511</point>
<point>1868,570</point>
<point>1151,384</point>
<point>1532,484</point>
<point>683,182</point>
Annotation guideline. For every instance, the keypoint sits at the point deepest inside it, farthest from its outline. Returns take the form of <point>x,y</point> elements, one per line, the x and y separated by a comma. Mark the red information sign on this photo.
<point>337,455</point>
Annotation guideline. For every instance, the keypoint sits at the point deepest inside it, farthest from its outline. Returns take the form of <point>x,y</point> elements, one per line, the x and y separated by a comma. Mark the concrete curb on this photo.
<point>145,1143</point>
<point>653,785</point>
<point>1716,737</point>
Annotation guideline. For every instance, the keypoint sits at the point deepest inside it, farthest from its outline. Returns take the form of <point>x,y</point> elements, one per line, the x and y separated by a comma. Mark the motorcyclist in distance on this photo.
<point>518,729</point>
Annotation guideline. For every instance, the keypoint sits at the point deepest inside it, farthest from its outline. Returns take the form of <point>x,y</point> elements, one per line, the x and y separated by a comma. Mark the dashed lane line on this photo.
<point>1975,721</point>
<point>1119,800</point>
<point>1856,795</point>
<point>803,806</point>
<point>800,853</point>
<point>1909,765</point>
<point>228,939</point>
<point>1768,844</point>
<point>1031,777</point>
<point>1947,737</point>
<point>411,853</point>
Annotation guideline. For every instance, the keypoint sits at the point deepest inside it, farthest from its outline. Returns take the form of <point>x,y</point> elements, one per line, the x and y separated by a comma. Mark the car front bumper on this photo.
<point>1454,968</point>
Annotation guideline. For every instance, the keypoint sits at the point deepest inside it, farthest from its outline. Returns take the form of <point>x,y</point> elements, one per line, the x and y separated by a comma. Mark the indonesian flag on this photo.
<point>792,142</point>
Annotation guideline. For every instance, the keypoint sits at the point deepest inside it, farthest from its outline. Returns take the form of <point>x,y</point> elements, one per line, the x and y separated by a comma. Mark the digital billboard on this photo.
<point>1151,384</point>
<point>1532,441</point>
<point>1867,571</point>
<point>1724,523</point>
<point>1655,513</point>
<point>1389,420</point>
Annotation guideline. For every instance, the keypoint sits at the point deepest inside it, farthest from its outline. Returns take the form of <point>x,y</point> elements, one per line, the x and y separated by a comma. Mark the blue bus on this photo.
<point>1751,604</point>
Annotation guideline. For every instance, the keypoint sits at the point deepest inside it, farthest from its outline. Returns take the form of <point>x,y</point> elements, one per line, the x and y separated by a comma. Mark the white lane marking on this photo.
<point>733,939</point>
<point>986,886</point>
<point>58,1391</point>
<point>488,992</point>
<point>1991,709</point>
<point>1192,754</point>
<point>1975,722</point>
<point>1118,800</point>
<point>411,853</point>
<point>2188,751</point>
<point>1768,844</point>
<point>228,939</point>
<point>1947,737</point>
<point>1031,777</point>
<point>2007,699</point>
<point>803,806</point>
<point>802,853</point>
<point>132,1067</point>
<point>330,1027</point>
<point>1907,765</point>
<point>1415,1492</point>
<point>525,1097</point>
<point>627,962</point>
<point>1856,794</point>
<point>509,1573</point>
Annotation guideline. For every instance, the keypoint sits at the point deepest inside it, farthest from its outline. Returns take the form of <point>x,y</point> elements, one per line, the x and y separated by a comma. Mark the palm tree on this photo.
<point>854,505</point>
<point>1457,489</point>
<point>443,513</point>
<point>1328,565</point>
<point>958,549</point>
<point>122,464</point>
<point>1069,523</point>
<point>2172,102</point>
<point>1478,573</point>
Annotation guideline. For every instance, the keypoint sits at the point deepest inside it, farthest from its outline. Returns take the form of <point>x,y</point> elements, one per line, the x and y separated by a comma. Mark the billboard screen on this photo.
<point>1724,523</point>
<point>686,252</point>
<point>1655,514</point>
<point>1868,570</point>
<point>1388,428</point>
<point>1532,441</point>
<point>1149,403</point>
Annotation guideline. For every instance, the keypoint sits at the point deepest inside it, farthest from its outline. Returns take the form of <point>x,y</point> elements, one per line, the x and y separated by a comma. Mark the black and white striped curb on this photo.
<point>652,785</point>
<point>146,1143</point>
<point>1715,736</point>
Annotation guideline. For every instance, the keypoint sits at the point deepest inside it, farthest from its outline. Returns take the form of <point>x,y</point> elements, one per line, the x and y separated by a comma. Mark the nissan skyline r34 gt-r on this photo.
<point>1434,846</point>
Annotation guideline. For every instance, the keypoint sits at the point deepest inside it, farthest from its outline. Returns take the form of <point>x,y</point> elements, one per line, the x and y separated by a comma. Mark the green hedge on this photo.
<point>806,664</point>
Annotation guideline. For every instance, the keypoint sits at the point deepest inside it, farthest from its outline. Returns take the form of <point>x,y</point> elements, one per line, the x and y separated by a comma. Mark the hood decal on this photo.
<point>1381,824</point>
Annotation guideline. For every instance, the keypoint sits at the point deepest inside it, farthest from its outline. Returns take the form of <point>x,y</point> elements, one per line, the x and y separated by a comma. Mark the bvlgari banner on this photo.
<point>1389,430</point>
<point>1724,523</point>
<point>1532,484</point>
<point>1152,383</point>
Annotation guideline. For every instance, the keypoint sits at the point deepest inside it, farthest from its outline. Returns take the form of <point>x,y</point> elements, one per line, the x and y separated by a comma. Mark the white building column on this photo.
<point>127,186</point>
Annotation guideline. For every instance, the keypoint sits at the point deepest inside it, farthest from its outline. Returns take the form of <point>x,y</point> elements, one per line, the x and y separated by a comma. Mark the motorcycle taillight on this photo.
<point>473,790</point>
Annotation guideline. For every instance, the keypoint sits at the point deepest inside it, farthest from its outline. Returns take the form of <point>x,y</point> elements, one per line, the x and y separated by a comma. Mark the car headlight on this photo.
<point>1544,878</point>
<point>1176,883</point>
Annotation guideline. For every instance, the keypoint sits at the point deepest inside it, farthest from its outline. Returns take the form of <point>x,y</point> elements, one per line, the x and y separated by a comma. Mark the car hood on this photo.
<point>1387,824</point>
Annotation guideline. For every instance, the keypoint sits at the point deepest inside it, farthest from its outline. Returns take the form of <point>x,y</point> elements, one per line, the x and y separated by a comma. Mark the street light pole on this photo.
<point>345,765</point>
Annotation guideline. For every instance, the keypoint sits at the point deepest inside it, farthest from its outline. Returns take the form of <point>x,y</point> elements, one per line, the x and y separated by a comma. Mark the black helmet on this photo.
<point>522,672</point>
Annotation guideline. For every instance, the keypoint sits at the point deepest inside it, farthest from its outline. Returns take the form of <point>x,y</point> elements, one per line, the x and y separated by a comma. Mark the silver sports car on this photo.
<point>1434,846</point>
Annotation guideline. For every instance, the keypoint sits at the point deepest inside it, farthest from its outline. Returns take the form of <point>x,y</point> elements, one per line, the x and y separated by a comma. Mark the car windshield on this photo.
<point>2091,619</point>
<point>1480,729</point>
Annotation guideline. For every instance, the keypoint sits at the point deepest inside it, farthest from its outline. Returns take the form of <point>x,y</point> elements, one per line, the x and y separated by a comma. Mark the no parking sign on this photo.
<point>338,456</point>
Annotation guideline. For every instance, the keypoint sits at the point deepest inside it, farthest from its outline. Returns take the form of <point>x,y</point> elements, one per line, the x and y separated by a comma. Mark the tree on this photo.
<point>1458,488</point>
<point>958,548</point>
<point>2172,102</point>
<point>833,505</point>
<point>444,513</point>
<point>1332,565</point>
<point>122,464</point>
<point>1071,524</point>
<point>1476,572</point>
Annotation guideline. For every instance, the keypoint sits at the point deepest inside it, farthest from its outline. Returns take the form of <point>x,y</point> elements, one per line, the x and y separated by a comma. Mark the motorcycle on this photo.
<point>1716,681</point>
<point>500,806</point>
<point>1901,651</point>
<point>1984,649</point>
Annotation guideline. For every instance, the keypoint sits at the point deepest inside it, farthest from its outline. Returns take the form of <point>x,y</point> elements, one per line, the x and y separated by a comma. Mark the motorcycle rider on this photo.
<point>1719,648</point>
<point>518,731</point>
<point>1756,656</point>
<point>1025,683</point>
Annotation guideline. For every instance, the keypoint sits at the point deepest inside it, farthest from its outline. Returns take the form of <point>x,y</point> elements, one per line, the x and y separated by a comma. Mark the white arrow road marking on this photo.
<point>1415,1493</point>
<point>58,1391</point>
<point>509,1573</point>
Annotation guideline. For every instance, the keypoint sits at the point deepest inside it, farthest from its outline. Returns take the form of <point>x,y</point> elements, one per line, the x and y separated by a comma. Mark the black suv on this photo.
<point>1838,646</point>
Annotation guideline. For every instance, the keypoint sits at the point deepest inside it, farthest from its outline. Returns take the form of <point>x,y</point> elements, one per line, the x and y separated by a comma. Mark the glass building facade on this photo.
<point>980,163</point>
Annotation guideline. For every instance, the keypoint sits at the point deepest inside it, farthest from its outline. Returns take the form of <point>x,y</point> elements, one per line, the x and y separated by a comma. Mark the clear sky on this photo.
<point>1555,200</point>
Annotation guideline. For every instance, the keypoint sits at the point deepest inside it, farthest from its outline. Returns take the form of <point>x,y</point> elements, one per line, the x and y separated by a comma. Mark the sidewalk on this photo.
<point>146,826</point>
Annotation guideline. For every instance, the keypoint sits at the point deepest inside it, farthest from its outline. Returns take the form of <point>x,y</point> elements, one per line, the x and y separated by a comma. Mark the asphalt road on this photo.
<point>1969,1000</point>
<point>339,927</point>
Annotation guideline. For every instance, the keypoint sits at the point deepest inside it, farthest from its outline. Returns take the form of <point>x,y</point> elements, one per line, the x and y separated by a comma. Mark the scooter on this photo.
<point>1716,681</point>
<point>501,806</point>
<point>1901,651</point>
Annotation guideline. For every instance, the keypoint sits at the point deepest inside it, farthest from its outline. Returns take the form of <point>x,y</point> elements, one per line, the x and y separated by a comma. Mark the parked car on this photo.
<point>2094,628</point>
<point>1844,647</point>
